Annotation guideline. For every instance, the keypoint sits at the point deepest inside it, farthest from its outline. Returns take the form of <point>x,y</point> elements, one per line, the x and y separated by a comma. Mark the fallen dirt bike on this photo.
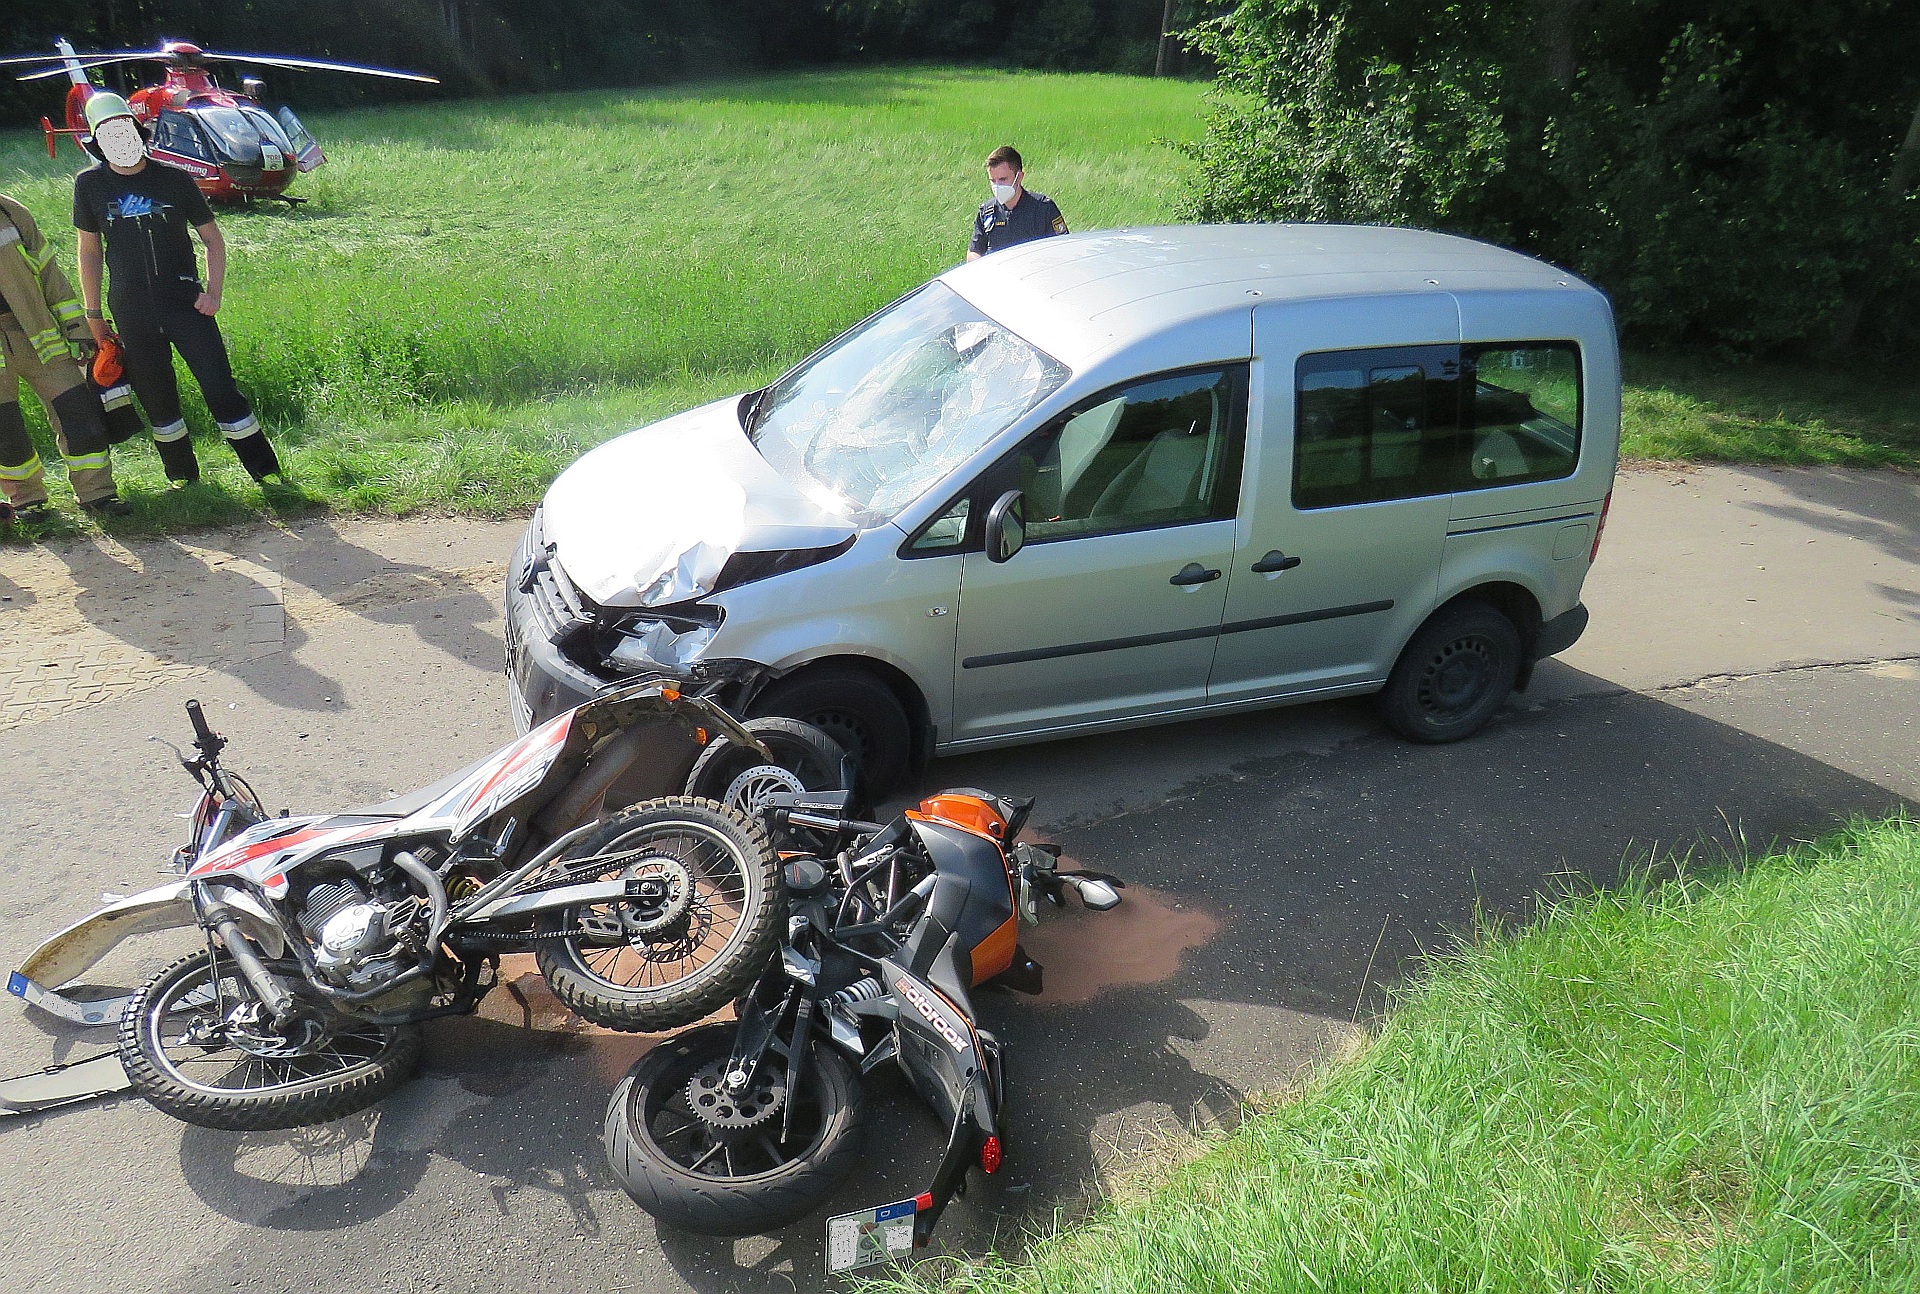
<point>330,938</point>
<point>739,1128</point>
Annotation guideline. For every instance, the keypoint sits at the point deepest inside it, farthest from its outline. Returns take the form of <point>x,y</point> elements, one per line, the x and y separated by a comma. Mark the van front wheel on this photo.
<point>1453,675</point>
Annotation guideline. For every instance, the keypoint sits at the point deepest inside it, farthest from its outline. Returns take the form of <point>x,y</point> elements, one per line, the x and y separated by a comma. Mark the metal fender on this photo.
<point>62,959</point>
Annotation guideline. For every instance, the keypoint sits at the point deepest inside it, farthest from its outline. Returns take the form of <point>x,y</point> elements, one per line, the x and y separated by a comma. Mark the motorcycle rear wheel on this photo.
<point>221,1083</point>
<point>614,971</point>
<point>677,1170</point>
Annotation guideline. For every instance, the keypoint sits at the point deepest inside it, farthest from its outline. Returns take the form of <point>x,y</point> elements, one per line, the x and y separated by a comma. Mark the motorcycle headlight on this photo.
<point>657,644</point>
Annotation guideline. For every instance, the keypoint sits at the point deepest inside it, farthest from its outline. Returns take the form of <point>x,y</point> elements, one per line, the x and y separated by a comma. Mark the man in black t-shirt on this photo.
<point>143,210</point>
<point>1012,215</point>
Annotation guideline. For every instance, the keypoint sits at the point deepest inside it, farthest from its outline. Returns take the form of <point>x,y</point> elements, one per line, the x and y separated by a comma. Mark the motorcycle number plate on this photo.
<point>882,1235</point>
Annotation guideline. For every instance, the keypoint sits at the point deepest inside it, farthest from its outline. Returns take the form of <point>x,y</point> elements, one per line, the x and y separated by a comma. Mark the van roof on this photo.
<point>1085,294</point>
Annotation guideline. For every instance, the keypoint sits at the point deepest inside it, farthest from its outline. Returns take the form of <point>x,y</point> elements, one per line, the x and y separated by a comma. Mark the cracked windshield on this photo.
<point>868,424</point>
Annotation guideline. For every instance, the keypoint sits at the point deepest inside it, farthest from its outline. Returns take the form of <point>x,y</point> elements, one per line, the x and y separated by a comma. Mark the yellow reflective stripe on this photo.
<point>25,472</point>
<point>38,260</point>
<point>87,462</point>
<point>68,309</point>
<point>172,431</point>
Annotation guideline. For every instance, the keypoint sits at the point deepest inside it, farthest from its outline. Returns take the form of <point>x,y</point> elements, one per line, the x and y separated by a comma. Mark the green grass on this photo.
<point>476,292</point>
<point>1689,409</point>
<point>1708,1084</point>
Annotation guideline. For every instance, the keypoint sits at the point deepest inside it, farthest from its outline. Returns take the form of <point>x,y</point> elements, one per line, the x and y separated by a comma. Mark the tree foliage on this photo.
<point>1721,168</point>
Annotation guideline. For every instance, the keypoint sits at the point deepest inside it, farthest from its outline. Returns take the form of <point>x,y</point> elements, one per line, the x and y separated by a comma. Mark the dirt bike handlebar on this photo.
<point>209,742</point>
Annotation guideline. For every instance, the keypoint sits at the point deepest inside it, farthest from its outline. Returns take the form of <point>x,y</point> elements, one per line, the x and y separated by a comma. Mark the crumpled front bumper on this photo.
<point>541,681</point>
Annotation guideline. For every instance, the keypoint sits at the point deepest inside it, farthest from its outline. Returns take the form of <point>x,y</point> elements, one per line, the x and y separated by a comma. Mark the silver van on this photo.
<point>1105,480</point>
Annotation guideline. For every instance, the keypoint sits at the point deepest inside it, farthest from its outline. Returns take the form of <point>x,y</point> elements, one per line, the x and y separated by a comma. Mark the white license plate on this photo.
<point>882,1235</point>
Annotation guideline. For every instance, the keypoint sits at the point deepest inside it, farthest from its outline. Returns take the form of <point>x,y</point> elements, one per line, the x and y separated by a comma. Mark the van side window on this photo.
<point>1522,412</point>
<point>1162,452</point>
<point>1374,425</point>
<point>1413,421</point>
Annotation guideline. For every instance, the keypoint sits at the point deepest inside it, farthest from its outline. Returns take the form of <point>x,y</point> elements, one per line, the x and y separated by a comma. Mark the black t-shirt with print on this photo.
<point>145,219</point>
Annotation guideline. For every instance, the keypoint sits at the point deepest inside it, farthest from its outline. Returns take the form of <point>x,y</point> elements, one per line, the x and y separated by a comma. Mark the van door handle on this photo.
<point>1275,562</point>
<point>1194,573</point>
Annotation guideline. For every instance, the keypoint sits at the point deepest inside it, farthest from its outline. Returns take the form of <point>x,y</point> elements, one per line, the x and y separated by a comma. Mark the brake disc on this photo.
<point>749,791</point>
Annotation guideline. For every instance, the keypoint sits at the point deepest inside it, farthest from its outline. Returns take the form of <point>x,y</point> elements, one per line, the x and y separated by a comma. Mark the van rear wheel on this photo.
<point>1453,675</point>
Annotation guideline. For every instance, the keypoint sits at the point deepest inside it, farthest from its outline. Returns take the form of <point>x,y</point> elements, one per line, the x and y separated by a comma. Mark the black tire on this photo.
<point>349,1070</point>
<point>1453,675</point>
<point>725,771</point>
<point>653,981</point>
<point>649,1155</point>
<point>857,710</point>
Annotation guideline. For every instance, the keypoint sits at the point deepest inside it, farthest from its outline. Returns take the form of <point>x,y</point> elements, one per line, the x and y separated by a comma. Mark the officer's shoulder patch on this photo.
<point>1059,223</point>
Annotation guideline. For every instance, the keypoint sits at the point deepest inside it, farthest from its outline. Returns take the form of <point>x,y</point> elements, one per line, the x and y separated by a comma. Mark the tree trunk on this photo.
<point>1906,168</point>
<point>1160,57</point>
<point>1559,24</point>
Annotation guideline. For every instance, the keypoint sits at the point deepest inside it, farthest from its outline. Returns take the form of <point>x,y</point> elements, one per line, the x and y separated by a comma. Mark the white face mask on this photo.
<point>119,142</point>
<point>1003,193</point>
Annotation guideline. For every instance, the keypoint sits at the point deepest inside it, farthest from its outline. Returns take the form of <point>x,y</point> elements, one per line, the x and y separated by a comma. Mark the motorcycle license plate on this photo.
<point>882,1235</point>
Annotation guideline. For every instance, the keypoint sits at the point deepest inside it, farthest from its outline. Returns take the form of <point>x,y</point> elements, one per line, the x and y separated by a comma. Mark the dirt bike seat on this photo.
<point>414,801</point>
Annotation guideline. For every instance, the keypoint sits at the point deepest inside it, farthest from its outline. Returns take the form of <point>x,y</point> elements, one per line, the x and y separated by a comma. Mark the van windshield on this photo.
<point>867,425</point>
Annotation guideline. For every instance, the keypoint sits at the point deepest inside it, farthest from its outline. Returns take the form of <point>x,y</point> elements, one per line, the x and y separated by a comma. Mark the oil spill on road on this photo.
<point>1140,942</point>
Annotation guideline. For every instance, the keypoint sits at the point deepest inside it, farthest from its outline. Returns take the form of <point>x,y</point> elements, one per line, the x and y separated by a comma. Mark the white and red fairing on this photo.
<point>455,805</point>
<point>263,855</point>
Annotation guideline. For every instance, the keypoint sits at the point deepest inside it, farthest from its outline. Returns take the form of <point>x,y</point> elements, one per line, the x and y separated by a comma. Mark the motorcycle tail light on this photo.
<point>923,1202</point>
<point>990,1155</point>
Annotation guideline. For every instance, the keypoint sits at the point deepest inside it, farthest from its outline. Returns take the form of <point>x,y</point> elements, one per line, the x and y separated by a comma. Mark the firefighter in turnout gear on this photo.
<point>43,339</point>
<point>135,215</point>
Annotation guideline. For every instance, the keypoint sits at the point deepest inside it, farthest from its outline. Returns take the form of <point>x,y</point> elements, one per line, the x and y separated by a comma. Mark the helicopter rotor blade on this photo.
<point>17,59</point>
<point>47,73</point>
<point>317,65</point>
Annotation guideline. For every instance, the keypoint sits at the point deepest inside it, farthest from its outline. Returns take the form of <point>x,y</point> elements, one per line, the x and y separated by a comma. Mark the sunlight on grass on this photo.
<point>475,292</point>
<point>1707,1084</point>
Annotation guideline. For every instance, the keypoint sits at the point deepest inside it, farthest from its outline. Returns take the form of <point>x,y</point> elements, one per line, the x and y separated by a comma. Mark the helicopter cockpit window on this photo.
<point>270,130</point>
<point>233,132</point>
<point>174,132</point>
<point>296,132</point>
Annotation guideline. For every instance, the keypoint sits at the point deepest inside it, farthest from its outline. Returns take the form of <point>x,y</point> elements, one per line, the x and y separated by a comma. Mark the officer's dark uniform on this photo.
<point>1034,216</point>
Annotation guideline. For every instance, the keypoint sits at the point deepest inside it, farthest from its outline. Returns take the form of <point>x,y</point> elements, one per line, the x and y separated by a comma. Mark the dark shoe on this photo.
<point>32,514</point>
<point>111,506</point>
<point>255,453</point>
<point>177,457</point>
<point>6,513</point>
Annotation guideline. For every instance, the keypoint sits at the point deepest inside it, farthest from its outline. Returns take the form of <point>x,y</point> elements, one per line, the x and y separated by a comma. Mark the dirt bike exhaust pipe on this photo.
<point>572,805</point>
<point>273,995</point>
<point>436,894</point>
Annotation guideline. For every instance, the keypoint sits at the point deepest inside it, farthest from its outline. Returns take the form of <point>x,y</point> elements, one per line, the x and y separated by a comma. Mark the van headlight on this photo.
<point>660,644</point>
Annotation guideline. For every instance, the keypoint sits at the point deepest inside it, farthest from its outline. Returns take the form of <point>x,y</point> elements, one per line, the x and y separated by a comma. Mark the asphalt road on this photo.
<point>1752,674</point>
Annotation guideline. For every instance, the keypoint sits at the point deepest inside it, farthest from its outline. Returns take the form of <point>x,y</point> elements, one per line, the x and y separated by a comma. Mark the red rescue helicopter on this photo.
<point>232,146</point>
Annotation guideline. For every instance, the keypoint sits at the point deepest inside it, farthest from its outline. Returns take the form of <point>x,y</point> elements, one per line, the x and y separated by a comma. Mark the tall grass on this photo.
<point>1708,1084</point>
<point>458,262</point>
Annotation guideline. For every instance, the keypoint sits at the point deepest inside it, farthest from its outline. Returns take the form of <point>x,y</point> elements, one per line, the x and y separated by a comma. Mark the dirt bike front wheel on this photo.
<point>190,1056</point>
<point>705,1159</point>
<point>705,914</point>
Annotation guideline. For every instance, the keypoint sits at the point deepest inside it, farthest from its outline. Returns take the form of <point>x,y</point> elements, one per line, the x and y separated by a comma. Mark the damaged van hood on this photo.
<point>648,519</point>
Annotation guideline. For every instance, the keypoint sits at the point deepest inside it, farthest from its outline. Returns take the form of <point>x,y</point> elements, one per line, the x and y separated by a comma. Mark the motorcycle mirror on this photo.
<point>1097,895</point>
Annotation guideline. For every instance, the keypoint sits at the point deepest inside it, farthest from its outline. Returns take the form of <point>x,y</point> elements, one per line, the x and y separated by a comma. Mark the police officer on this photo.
<point>1013,215</point>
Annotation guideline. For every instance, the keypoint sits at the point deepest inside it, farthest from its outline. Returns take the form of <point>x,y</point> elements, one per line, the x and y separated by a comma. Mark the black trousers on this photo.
<point>151,332</point>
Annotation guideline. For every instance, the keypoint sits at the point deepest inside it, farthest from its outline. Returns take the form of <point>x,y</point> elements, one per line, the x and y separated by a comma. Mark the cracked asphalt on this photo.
<point>1752,675</point>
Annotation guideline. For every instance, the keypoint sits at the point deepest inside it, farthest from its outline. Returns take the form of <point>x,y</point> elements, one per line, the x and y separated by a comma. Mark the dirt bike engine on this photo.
<point>360,938</point>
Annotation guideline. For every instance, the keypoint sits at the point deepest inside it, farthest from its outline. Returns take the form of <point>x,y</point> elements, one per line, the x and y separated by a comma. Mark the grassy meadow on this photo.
<point>1711,1084</point>
<point>475,292</point>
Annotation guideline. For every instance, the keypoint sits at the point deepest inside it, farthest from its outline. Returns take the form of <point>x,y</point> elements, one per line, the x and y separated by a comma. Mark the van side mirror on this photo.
<point>1006,526</point>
